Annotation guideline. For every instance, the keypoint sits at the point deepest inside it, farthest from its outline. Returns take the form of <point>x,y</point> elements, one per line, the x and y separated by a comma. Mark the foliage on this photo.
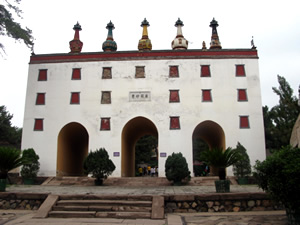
<point>8,134</point>
<point>98,164</point>
<point>10,158</point>
<point>279,175</point>
<point>176,168</point>
<point>144,150</point>
<point>31,165</point>
<point>242,168</point>
<point>198,146</point>
<point>280,120</point>
<point>220,159</point>
<point>10,28</point>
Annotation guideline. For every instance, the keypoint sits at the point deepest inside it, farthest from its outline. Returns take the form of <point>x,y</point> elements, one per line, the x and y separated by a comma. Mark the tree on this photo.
<point>242,168</point>
<point>144,150</point>
<point>9,135</point>
<point>99,165</point>
<point>176,168</point>
<point>10,28</point>
<point>279,175</point>
<point>279,121</point>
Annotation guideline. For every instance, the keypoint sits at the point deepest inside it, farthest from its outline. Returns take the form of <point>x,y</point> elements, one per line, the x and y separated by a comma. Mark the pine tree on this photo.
<point>10,28</point>
<point>282,116</point>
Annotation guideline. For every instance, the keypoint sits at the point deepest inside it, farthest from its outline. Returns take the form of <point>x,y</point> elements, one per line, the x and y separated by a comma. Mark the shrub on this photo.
<point>176,168</point>
<point>279,175</point>
<point>10,158</point>
<point>98,164</point>
<point>242,168</point>
<point>31,165</point>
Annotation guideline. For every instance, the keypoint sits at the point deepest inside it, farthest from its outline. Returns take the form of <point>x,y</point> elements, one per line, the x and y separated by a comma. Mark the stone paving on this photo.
<point>113,190</point>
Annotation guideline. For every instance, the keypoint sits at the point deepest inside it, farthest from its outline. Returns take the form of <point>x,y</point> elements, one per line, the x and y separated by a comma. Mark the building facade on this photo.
<point>78,102</point>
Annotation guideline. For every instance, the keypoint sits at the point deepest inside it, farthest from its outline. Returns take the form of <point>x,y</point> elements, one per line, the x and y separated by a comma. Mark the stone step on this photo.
<point>93,214</point>
<point>72,214</point>
<point>102,208</point>
<point>124,215</point>
<point>103,202</point>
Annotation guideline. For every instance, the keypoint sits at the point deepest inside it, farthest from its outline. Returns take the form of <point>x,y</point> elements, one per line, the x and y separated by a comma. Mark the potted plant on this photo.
<point>221,159</point>
<point>99,165</point>
<point>31,168</point>
<point>176,168</point>
<point>242,168</point>
<point>10,158</point>
<point>279,175</point>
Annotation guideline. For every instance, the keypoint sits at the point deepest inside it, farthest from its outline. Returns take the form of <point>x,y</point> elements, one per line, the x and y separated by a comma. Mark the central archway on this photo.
<point>72,148</point>
<point>211,134</point>
<point>131,133</point>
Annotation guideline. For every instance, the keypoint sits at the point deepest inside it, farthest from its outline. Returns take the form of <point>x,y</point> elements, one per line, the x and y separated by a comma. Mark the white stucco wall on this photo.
<point>223,110</point>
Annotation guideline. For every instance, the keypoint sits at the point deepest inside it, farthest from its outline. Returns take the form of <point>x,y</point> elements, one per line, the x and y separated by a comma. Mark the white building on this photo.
<point>77,102</point>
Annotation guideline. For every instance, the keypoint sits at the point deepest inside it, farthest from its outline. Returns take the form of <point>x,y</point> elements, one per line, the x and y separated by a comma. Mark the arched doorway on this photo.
<point>131,133</point>
<point>72,148</point>
<point>207,134</point>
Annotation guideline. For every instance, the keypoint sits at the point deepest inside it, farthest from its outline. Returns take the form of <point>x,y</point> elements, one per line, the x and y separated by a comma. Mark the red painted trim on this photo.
<point>136,55</point>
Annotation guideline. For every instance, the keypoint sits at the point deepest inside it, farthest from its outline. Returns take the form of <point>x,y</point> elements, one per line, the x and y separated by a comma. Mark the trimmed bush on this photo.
<point>98,164</point>
<point>176,168</point>
<point>31,165</point>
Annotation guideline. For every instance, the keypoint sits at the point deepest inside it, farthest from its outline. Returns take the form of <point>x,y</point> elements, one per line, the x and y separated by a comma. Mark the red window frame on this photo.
<point>174,96</point>
<point>205,71</point>
<point>75,98</point>
<point>173,71</point>
<point>38,125</point>
<point>174,123</point>
<point>105,123</point>
<point>76,74</point>
<point>206,95</point>
<point>244,122</point>
<point>42,75</point>
<point>40,99</point>
<point>240,70</point>
<point>242,95</point>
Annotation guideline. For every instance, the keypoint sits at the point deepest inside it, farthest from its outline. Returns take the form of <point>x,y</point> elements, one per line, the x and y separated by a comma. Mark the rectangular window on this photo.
<point>105,124</point>
<point>76,74</point>
<point>205,71</point>
<point>173,71</point>
<point>106,97</point>
<point>206,96</point>
<point>174,96</point>
<point>42,75</point>
<point>106,73</point>
<point>174,123</point>
<point>240,70</point>
<point>40,99</point>
<point>242,95</point>
<point>139,72</point>
<point>75,98</point>
<point>244,122</point>
<point>39,124</point>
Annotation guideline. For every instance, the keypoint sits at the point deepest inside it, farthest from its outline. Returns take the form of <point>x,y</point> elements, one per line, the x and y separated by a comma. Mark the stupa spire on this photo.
<point>215,43</point>
<point>179,43</point>
<point>145,42</point>
<point>109,45</point>
<point>76,44</point>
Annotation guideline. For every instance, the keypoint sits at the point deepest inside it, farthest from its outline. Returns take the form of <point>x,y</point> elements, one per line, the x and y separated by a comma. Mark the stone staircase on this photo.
<point>96,206</point>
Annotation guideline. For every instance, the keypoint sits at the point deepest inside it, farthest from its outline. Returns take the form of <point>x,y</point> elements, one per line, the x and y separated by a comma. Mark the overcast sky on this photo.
<point>275,26</point>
